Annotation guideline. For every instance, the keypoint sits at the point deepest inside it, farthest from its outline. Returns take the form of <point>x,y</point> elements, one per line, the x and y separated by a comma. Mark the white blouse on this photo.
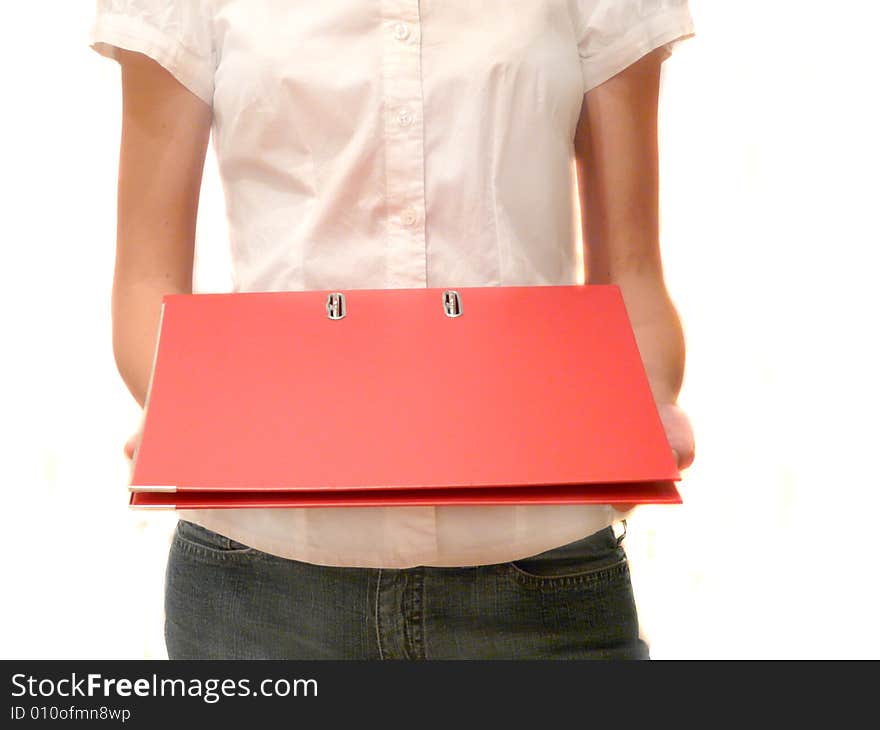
<point>396,144</point>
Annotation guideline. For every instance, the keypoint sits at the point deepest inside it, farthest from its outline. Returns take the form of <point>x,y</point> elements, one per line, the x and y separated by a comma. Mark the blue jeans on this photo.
<point>225,600</point>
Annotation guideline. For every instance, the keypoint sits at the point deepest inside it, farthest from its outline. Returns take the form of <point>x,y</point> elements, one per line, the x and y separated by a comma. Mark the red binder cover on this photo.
<point>474,395</point>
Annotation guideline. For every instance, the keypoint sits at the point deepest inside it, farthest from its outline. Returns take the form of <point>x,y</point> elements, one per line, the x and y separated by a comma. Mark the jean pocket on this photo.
<point>198,538</point>
<point>592,559</point>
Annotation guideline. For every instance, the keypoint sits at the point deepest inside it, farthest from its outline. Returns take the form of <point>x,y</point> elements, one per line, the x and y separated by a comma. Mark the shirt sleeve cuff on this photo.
<point>661,29</point>
<point>110,32</point>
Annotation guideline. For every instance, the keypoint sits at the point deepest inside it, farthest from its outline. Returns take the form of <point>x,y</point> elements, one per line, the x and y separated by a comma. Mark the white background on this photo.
<point>769,192</point>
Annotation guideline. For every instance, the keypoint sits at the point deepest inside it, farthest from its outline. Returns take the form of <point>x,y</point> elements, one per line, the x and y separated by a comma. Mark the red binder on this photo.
<point>430,396</point>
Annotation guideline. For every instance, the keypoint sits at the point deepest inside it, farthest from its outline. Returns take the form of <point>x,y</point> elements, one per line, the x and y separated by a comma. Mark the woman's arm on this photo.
<point>617,167</point>
<point>165,133</point>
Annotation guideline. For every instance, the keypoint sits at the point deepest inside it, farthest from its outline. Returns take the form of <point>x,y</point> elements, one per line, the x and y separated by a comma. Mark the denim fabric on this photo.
<point>225,600</point>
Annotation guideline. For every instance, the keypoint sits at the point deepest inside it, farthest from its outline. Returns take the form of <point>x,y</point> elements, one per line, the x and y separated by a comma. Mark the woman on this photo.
<point>396,144</point>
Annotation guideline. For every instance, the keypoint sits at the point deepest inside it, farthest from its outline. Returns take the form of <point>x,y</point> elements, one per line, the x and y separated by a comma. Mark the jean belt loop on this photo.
<point>622,534</point>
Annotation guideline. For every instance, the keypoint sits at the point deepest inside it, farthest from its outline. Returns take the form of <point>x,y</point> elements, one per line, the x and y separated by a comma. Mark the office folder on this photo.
<point>429,396</point>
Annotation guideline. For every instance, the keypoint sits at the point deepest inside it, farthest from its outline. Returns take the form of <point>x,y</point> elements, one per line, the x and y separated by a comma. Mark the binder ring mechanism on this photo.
<point>336,304</point>
<point>452,303</point>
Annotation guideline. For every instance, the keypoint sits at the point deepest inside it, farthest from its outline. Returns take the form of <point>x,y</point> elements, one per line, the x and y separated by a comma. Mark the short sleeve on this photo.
<point>612,34</point>
<point>175,33</point>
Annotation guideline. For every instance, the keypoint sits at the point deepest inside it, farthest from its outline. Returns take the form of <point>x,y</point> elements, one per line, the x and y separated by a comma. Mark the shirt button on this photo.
<point>408,217</point>
<point>404,117</point>
<point>400,31</point>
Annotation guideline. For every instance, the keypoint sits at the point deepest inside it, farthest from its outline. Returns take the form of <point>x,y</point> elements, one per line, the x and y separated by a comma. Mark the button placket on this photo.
<point>404,144</point>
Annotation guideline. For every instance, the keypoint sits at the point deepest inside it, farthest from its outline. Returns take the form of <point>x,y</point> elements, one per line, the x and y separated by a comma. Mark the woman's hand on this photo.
<point>132,444</point>
<point>680,435</point>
